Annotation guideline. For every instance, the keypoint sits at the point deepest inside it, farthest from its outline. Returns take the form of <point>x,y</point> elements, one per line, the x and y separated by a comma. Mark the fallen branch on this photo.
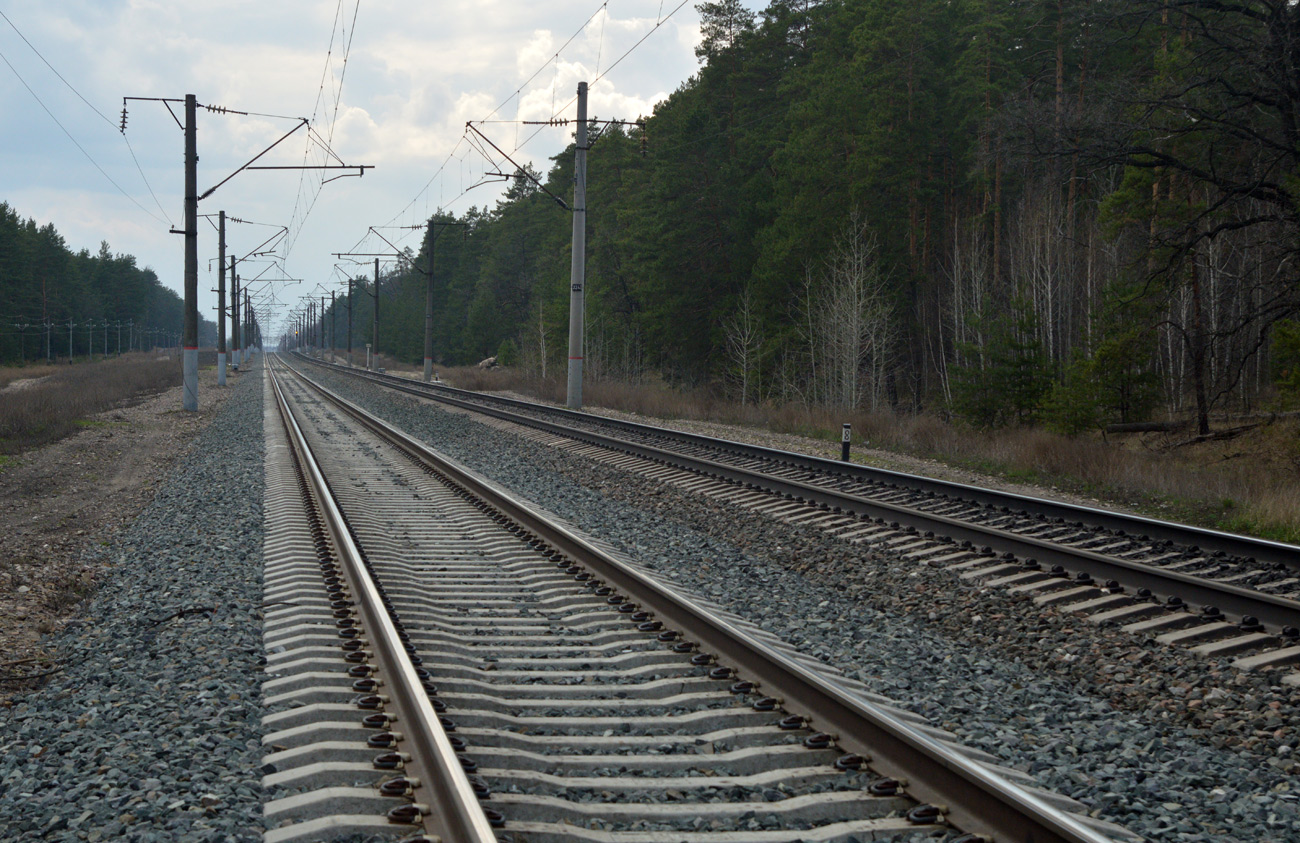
<point>180,613</point>
<point>1217,435</point>
<point>13,677</point>
<point>1146,427</point>
<point>25,661</point>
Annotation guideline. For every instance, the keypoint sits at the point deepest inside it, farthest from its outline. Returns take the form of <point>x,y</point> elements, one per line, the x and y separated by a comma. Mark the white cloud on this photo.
<point>415,74</point>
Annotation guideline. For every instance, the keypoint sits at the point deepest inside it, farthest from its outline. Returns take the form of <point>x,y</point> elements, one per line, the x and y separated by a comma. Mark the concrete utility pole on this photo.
<point>578,267</point>
<point>234,311</point>
<point>190,364</point>
<point>221,298</point>
<point>350,283</point>
<point>375,354</point>
<point>322,328</point>
<point>428,314</point>
<point>334,338</point>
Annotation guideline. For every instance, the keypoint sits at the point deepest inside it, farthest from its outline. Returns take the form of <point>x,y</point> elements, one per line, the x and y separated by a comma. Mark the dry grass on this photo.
<point>43,412</point>
<point>1247,486</point>
<point>9,374</point>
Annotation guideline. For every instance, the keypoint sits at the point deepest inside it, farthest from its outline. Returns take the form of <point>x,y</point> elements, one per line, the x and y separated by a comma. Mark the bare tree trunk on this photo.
<point>744,343</point>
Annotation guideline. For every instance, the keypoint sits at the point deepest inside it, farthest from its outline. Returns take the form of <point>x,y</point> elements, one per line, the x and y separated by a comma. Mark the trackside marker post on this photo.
<point>846,436</point>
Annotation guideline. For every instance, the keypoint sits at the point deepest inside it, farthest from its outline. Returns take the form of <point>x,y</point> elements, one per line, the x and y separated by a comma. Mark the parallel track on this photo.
<point>1116,566</point>
<point>594,702</point>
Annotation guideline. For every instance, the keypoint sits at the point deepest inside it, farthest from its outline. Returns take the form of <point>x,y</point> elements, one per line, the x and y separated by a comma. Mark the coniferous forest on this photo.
<point>1012,211</point>
<point>1077,213</point>
<point>56,303</point>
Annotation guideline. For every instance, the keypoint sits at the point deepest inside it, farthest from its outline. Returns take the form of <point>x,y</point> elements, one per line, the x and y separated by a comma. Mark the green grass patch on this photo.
<point>1264,530</point>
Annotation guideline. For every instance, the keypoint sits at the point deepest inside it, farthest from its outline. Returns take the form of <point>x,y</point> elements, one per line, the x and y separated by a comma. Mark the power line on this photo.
<point>101,114</point>
<point>660,20</point>
<point>78,145</point>
<point>600,76</point>
<point>464,136</point>
<point>296,223</point>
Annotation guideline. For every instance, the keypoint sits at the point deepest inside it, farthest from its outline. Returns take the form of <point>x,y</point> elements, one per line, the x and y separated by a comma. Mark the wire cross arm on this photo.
<point>360,170</point>
<point>302,121</point>
<point>519,169</point>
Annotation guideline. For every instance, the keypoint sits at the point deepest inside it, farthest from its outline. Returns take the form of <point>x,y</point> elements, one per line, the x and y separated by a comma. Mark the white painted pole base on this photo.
<point>190,368</point>
<point>575,384</point>
<point>221,368</point>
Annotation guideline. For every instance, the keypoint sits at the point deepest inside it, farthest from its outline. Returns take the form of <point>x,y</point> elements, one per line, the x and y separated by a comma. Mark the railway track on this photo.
<point>1221,595</point>
<point>447,662</point>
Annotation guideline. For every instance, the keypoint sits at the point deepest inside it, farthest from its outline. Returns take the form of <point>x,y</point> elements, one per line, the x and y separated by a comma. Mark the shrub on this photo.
<point>49,410</point>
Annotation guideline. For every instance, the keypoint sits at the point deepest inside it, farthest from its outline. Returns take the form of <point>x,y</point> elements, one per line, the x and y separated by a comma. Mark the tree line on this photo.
<point>60,304</point>
<point>1015,211</point>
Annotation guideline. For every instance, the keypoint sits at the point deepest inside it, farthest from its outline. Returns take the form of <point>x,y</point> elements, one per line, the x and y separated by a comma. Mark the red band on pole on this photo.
<point>575,358</point>
<point>191,348</point>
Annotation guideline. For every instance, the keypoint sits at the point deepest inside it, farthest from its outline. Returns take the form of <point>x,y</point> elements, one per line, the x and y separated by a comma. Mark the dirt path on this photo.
<point>58,500</point>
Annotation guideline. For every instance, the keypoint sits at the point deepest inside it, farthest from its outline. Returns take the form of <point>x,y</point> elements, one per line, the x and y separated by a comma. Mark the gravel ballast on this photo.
<point>1171,745</point>
<point>151,731</point>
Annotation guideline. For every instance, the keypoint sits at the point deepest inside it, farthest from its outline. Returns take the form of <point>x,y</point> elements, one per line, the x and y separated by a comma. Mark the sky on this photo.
<point>383,83</point>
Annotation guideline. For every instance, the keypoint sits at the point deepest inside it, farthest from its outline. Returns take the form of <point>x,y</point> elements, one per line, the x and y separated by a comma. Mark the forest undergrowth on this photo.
<point>1247,480</point>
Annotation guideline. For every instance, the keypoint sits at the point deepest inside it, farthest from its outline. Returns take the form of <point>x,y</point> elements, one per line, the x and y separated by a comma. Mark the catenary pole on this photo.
<point>234,310</point>
<point>334,331</point>
<point>221,298</point>
<point>577,269</point>
<point>350,283</point>
<point>374,354</point>
<point>428,313</point>
<point>190,354</point>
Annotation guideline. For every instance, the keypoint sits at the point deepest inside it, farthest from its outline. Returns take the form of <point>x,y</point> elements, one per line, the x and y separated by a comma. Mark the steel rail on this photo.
<point>1272,611</point>
<point>974,797</point>
<point>455,813</point>
<point>1185,534</point>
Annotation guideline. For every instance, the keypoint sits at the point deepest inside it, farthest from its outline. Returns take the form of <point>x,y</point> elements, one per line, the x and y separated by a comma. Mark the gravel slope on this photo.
<point>1174,747</point>
<point>151,732</point>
